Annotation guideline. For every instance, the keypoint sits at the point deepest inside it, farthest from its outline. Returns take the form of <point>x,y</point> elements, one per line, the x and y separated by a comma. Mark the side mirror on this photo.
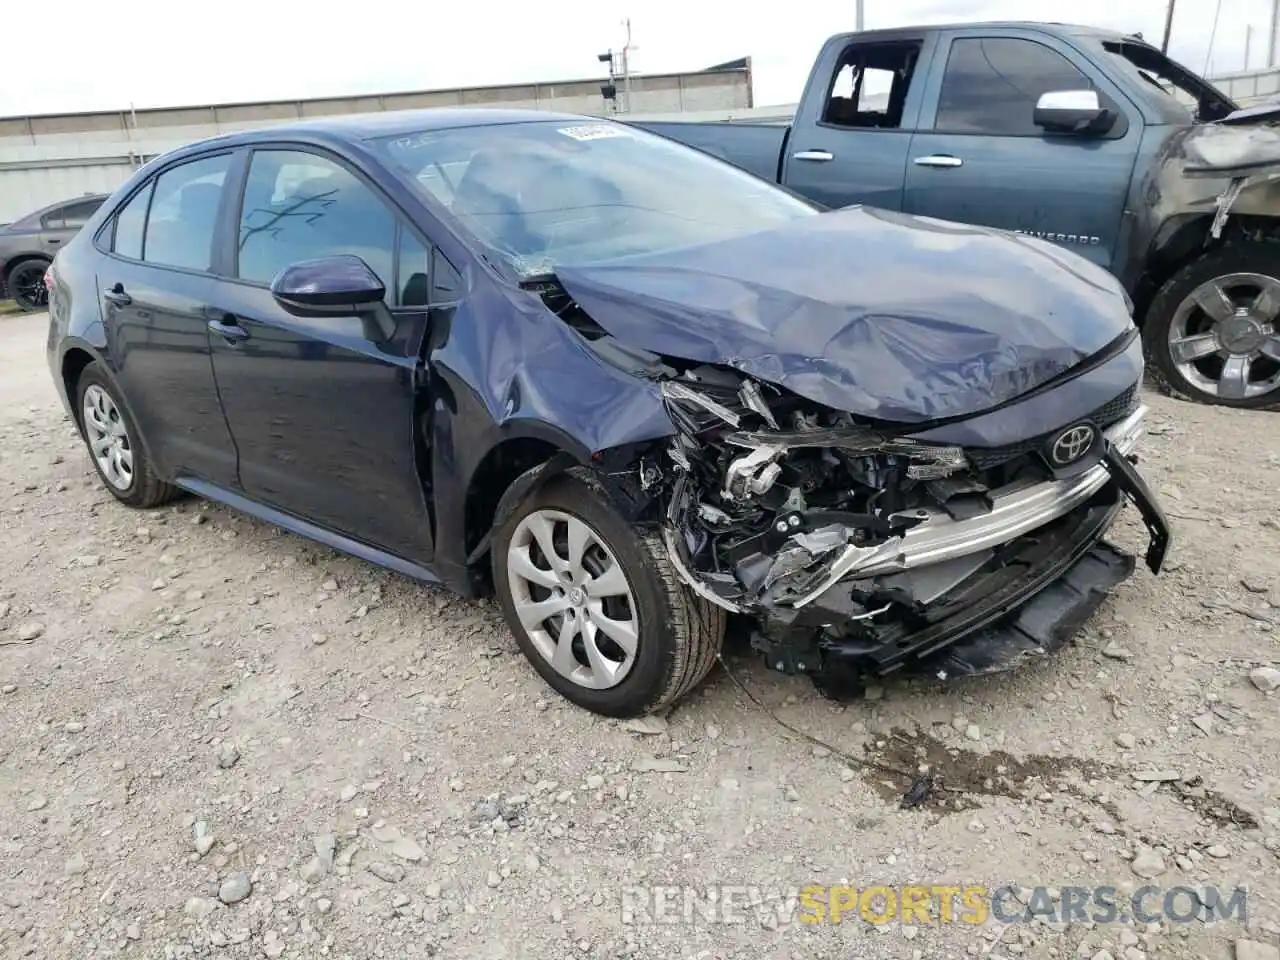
<point>1072,111</point>
<point>337,286</point>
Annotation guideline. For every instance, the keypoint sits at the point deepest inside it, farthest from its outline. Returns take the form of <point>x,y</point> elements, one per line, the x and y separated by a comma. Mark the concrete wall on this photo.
<point>45,159</point>
<point>1251,87</point>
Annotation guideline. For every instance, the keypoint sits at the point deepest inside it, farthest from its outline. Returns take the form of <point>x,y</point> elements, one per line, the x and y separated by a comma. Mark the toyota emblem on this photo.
<point>1072,444</point>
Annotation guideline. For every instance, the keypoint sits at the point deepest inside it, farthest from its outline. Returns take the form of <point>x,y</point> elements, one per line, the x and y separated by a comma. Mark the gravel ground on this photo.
<point>217,739</point>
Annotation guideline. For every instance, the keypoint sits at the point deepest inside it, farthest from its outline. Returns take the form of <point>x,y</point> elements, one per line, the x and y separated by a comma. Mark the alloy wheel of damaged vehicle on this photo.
<point>595,605</point>
<point>1220,340</point>
<point>112,439</point>
<point>26,285</point>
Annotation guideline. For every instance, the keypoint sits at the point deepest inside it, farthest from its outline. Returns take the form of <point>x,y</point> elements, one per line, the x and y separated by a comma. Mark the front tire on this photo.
<point>112,439</point>
<point>1212,333</point>
<point>596,606</point>
<point>25,284</point>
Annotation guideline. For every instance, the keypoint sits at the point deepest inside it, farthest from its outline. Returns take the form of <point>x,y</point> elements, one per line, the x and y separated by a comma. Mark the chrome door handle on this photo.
<point>818,156</point>
<point>938,160</point>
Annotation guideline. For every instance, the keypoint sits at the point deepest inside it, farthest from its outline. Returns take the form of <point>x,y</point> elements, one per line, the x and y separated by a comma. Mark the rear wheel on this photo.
<point>26,285</point>
<point>1212,333</point>
<point>596,606</point>
<point>112,439</point>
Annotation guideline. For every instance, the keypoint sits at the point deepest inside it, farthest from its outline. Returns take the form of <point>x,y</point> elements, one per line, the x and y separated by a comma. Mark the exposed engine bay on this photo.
<point>804,518</point>
<point>846,540</point>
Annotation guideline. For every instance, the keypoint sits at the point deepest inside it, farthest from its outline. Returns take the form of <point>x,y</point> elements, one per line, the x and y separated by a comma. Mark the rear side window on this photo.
<point>76,215</point>
<point>991,85</point>
<point>300,206</point>
<point>131,223</point>
<point>184,214</point>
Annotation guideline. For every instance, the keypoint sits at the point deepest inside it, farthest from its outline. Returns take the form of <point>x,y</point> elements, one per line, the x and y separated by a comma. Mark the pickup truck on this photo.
<point>1091,139</point>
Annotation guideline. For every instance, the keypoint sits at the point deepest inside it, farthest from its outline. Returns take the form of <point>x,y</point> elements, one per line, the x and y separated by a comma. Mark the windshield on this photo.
<point>544,193</point>
<point>1178,88</point>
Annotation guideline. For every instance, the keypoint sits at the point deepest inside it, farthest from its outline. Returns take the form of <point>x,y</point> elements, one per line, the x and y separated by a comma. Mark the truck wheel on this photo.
<point>596,606</point>
<point>1212,333</point>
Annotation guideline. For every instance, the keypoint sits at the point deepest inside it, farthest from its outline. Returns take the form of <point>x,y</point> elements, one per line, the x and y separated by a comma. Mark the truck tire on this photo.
<point>25,284</point>
<point>1212,333</point>
<point>608,587</point>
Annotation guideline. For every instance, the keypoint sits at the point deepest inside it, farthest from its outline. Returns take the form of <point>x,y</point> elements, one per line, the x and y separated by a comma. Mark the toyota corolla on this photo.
<point>631,389</point>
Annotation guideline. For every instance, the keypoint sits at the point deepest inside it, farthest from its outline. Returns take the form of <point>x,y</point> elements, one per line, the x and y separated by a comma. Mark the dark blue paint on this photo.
<point>368,430</point>
<point>879,314</point>
<point>327,283</point>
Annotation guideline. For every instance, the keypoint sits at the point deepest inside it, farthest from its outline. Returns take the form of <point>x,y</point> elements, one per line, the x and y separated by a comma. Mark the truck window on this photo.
<point>991,85</point>
<point>870,85</point>
<point>1181,89</point>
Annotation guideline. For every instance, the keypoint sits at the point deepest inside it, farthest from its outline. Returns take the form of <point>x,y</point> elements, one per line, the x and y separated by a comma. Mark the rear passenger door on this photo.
<point>322,409</point>
<point>979,157</point>
<point>155,282</point>
<point>851,136</point>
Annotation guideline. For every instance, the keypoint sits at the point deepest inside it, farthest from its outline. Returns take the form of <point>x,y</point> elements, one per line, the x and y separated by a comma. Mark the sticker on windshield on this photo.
<point>594,131</point>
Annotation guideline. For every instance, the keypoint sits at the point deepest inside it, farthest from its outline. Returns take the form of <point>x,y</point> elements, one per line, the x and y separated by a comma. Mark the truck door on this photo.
<point>980,158</point>
<point>852,133</point>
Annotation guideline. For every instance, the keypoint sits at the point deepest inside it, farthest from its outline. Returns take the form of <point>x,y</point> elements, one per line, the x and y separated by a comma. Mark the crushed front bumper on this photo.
<point>1046,569</point>
<point>1017,509</point>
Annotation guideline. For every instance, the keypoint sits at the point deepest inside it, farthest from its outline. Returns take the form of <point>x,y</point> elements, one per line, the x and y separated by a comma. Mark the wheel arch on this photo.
<point>1185,237</point>
<point>74,360</point>
<point>509,470</point>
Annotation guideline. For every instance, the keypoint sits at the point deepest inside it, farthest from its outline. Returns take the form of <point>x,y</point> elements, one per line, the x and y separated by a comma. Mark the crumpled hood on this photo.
<point>1211,150</point>
<point>879,314</point>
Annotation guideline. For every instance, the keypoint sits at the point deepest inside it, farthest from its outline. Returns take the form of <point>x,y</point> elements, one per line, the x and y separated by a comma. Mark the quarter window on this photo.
<point>131,223</point>
<point>76,215</point>
<point>425,278</point>
<point>299,206</point>
<point>184,214</point>
<point>991,85</point>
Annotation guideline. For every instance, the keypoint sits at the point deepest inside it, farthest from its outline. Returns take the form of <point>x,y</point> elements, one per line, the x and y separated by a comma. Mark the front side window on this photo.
<point>991,85</point>
<point>301,206</point>
<point>547,192</point>
<point>184,214</point>
<point>131,223</point>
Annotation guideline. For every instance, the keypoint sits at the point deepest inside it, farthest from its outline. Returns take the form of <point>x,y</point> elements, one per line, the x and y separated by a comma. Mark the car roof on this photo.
<point>1066,29</point>
<point>30,218</point>
<point>367,126</point>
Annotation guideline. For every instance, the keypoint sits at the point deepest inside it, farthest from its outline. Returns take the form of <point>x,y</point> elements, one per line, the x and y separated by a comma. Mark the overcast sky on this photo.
<point>105,54</point>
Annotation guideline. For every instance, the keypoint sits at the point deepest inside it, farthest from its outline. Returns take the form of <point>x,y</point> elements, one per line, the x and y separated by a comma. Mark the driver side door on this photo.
<point>324,410</point>
<point>979,157</point>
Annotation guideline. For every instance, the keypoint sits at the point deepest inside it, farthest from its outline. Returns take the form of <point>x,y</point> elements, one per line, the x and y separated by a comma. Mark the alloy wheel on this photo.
<point>1224,339</point>
<point>26,286</point>
<point>573,598</point>
<point>108,437</point>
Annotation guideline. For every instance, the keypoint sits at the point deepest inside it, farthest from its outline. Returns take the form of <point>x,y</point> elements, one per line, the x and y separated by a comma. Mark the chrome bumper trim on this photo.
<point>1016,509</point>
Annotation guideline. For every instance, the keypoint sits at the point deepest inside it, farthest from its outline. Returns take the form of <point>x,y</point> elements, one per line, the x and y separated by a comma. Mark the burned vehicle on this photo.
<point>630,389</point>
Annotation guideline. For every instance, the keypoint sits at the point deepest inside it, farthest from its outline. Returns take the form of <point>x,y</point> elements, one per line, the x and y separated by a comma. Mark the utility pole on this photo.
<point>626,65</point>
<point>1248,42</point>
<point>859,21</point>
<point>1168,26</point>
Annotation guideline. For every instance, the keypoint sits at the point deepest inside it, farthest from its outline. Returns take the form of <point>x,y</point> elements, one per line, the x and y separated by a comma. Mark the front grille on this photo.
<point>984,458</point>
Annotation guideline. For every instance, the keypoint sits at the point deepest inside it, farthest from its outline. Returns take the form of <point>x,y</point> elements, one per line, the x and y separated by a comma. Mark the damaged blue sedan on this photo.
<point>635,392</point>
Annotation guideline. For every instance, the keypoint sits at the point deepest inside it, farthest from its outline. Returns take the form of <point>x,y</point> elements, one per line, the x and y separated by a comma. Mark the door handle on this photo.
<point>117,295</point>
<point>938,160</point>
<point>816,156</point>
<point>229,330</point>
